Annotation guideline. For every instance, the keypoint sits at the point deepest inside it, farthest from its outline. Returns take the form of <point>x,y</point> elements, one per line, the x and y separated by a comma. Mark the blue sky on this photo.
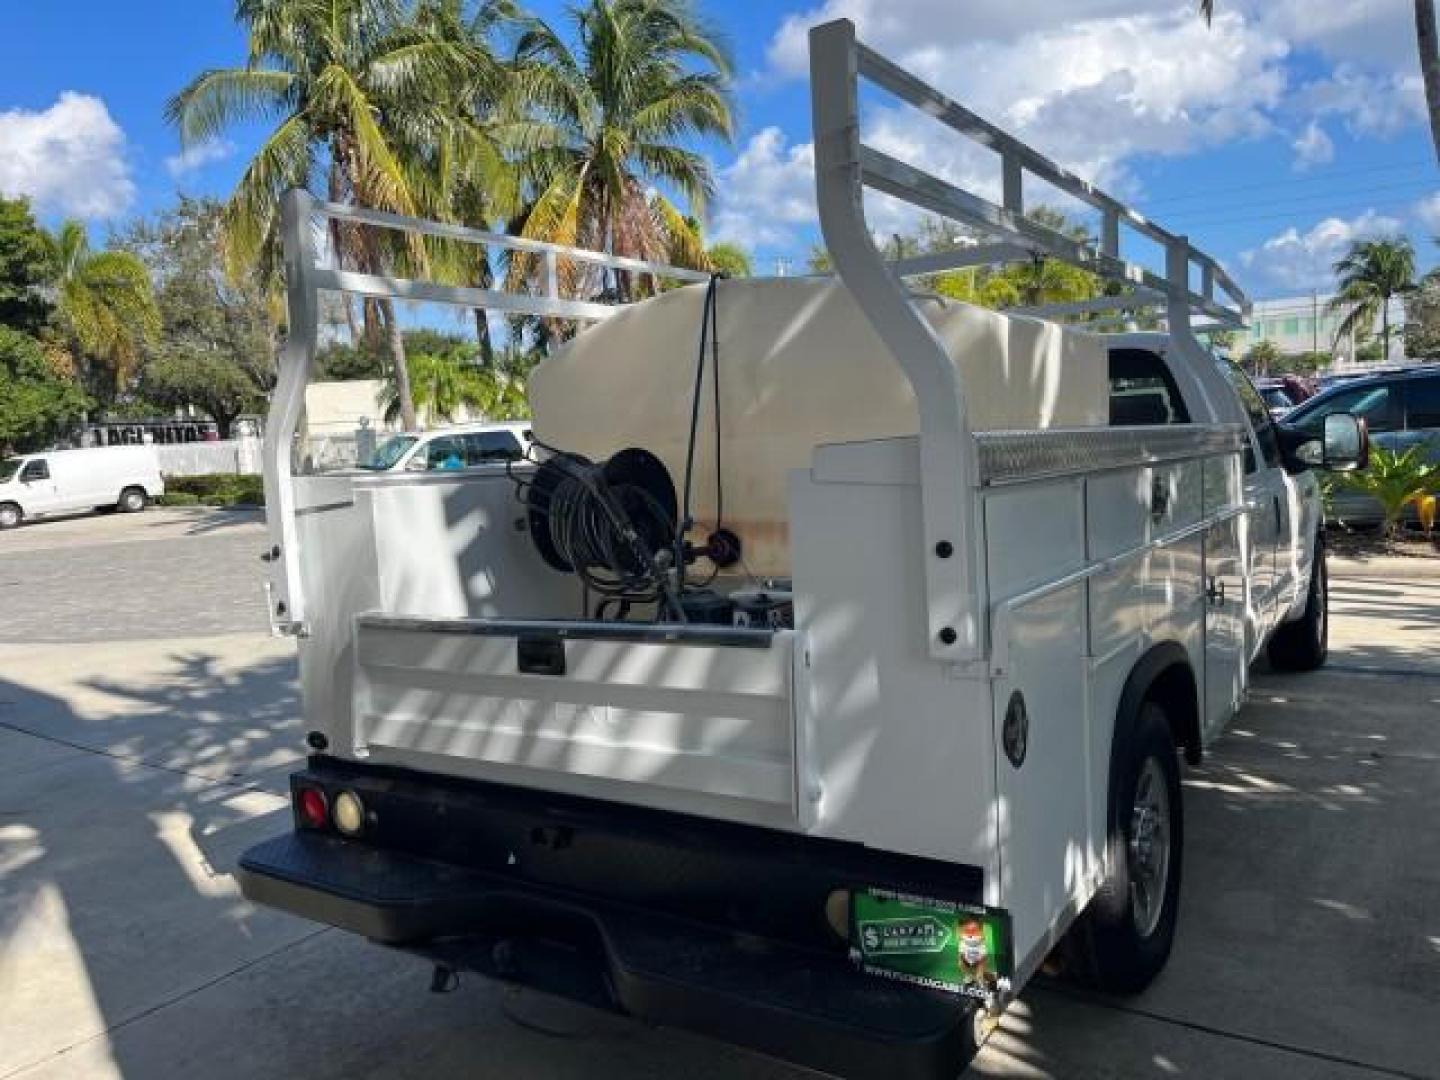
<point>1273,138</point>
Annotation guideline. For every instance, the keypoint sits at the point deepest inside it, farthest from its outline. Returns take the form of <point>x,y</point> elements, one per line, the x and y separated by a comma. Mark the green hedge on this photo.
<point>178,498</point>
<point>214,489</point>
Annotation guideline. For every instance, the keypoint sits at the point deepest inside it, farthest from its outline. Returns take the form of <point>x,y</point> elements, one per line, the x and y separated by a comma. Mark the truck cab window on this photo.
<point>490,446</point>
<point>35,470</point>
<point>1258,413</point>
<point>1422,403</point>
<point>1142,390</point>
<point>447,453</point>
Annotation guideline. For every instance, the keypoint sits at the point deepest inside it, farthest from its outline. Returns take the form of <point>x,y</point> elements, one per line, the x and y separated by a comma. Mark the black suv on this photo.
<point>1402,409</point>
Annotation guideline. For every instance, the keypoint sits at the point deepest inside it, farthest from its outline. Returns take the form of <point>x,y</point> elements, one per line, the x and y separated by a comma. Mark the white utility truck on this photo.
<point>39,485</point>
<point>834,656</point>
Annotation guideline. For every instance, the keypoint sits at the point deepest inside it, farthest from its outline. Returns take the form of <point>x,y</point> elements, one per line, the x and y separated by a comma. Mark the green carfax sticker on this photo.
<point>960,948</point>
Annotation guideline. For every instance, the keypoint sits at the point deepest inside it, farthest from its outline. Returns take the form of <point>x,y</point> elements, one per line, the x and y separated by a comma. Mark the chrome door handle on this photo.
<point>1159,498</point>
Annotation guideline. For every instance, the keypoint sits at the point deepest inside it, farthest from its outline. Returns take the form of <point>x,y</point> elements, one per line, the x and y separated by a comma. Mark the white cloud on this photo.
<point>1313,147</point>
<point>1296,262</point>
<point>69,158</point>
<point>906,28</point>
<point>1111,80</point>
<point>1427,213</point>
<point>197,157</point>
<point>1371,32</point>
<point>1370,104</point>
<point>767,192</point>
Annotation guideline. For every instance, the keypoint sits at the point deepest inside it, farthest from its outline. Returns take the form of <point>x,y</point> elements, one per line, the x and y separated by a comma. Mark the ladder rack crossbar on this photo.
<point>1218,297</point>
<point>448,231</point>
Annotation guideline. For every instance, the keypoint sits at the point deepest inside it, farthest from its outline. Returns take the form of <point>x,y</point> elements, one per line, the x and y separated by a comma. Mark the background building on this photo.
<point>1302,324</point>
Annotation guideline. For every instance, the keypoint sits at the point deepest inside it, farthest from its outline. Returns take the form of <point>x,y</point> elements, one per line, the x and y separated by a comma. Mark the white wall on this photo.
<point>240,455</point>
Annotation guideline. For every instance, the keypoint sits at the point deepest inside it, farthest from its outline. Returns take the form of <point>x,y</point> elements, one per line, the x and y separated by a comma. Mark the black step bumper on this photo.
<point>805,1006</point>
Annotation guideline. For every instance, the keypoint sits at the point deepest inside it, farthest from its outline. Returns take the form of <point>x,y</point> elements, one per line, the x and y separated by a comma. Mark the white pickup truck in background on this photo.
<point>811,704</point>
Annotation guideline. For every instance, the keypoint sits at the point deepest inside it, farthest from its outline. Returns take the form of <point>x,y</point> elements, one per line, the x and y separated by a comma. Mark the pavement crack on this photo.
<point>1048,987</point>
<point>1404,674</point>
<point>129,759</point>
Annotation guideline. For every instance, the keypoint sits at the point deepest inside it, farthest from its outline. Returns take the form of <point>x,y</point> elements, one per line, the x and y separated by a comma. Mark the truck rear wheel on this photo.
<point>1129,927</point>
<point>1304,644</point>
<point>132,500</point>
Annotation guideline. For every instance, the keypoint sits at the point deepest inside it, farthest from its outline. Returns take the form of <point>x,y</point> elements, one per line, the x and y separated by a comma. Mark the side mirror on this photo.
<point>1345,443</point>
<point>418,463</point>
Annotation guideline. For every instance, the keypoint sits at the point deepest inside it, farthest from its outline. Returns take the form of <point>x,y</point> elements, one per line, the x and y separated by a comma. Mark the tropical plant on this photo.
<point>599,132</point>
<point>729,259</point>
<point>27,266</point>
<point>1394,479</point>
<point>1428,43</point>
<point>443,383</point>
<point>217,348</point>
<point>1262,358</point>
<point>373,96</point>
<point>104,305</point>
<point>184,373</point>
<point>36,401</point>
<point>1370,275</point>
<point>1422,317</point>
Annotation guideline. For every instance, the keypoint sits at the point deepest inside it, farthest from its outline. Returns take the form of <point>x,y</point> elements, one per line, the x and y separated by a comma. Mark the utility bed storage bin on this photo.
<point>696,721</point>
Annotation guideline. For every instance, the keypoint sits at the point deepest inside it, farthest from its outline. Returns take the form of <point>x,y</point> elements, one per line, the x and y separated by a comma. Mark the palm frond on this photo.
<point>218,99</point>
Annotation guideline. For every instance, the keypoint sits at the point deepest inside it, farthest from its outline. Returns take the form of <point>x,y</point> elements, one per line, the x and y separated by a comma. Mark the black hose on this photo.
<point>709,337</point>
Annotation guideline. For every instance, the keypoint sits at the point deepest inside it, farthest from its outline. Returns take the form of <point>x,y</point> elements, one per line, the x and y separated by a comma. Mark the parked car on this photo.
<point>1401,409</point>
<point>458,447</point>
<point>1278,399</point>
<point>64,481</point>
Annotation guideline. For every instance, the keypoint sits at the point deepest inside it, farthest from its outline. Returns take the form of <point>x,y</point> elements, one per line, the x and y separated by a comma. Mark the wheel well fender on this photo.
<point>1163,675</point>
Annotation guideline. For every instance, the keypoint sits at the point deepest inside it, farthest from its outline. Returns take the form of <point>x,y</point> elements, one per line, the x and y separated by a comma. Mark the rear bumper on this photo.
<point>797,1002</point>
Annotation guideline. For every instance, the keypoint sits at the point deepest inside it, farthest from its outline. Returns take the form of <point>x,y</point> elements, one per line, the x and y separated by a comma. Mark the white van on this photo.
<point>458,447</point>
<point>64,481</point>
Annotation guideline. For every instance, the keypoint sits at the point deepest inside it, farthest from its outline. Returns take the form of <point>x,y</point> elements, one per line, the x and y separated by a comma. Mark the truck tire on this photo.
<point>132,500</point>
<point>1304,644</point>
<point>1128,929</point>
<point>10,515</point>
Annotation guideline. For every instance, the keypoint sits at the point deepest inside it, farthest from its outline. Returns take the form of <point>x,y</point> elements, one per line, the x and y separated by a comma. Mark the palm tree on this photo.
<point>600,128</point>
<point>1372,273</point>
<point>1428,42</point>
<point>105,305</point>
<point>443,384</point>
<point>369,95</point>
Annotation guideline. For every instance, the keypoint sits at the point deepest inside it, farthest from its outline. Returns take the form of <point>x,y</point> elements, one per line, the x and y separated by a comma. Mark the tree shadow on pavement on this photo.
<point>116,844</point>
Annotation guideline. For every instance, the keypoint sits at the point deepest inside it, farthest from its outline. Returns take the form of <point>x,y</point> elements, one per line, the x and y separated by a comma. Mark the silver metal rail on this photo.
<point>302,215</point>
<point>956,609</point>
<point>1006,221</point>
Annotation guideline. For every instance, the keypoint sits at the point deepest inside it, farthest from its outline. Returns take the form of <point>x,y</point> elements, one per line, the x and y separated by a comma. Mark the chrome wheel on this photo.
<point>9,516</point>
<point>1148,854</point>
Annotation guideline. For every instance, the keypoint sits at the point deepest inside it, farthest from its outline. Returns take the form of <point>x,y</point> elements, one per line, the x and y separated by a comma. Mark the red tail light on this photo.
<point>314,807</point>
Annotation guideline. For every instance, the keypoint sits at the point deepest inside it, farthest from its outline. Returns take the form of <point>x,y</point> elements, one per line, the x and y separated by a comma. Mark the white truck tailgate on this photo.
<point>683,720</point>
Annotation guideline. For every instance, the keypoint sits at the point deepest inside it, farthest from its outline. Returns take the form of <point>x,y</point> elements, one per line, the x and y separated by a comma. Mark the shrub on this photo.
<point>178,498</point>
<point>1395,479</point>
<point>219,489</point>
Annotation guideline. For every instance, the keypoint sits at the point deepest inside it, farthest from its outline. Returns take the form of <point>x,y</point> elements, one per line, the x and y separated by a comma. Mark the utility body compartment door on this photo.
<point>689,725</point>
<point>1227,664</point>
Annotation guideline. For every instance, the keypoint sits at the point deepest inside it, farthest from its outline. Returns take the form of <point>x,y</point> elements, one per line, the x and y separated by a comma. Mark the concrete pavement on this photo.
<point>134,767</point>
